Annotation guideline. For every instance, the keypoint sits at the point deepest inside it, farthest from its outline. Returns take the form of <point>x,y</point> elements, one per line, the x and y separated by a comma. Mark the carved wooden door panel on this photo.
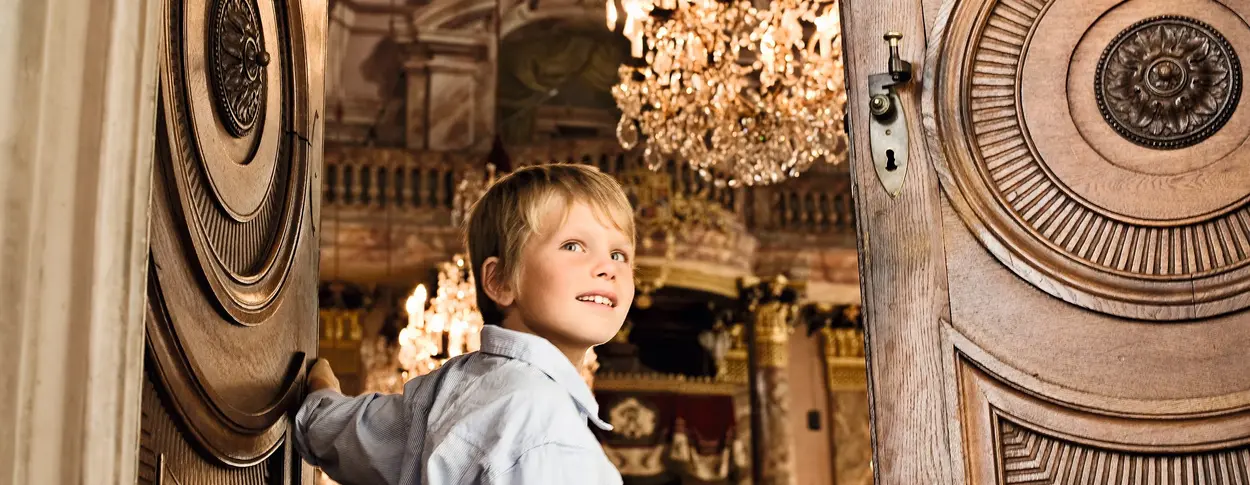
<point>232,294</point>
<point>1059,293</point>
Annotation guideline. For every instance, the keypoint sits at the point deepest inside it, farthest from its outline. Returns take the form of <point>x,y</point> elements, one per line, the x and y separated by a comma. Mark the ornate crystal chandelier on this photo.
<point>450,326</point>
<point>745,95</point>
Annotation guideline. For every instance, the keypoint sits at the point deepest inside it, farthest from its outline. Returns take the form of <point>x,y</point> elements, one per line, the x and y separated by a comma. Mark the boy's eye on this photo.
<point>619,256</point>
<point>572,246</point>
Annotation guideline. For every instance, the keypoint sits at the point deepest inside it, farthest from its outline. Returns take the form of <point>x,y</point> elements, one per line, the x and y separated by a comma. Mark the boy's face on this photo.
<point>577,279</point>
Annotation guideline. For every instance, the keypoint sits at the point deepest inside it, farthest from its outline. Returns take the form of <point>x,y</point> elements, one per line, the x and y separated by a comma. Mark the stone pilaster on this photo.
<point>451,92</point>
<point>847,383</point>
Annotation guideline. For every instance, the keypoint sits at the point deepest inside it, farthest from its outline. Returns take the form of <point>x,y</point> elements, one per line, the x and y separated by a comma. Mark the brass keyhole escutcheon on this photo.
<point>887,127</point>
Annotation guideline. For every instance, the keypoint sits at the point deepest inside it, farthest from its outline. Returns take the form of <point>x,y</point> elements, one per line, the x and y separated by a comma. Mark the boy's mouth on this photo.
<point>600,298</point>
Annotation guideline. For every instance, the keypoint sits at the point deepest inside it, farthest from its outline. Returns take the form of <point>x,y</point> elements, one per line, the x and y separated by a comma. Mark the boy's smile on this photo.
<point>599,298</point>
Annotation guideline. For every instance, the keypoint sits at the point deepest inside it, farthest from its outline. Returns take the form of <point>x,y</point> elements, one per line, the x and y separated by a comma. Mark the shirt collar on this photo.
<point>544,355</point>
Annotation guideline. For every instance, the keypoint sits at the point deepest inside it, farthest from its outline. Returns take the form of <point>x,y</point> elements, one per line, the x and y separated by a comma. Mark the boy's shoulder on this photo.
<point>515,384</point>
<point>517,392</point>
<point>512,396</point>
<point>502,407</point>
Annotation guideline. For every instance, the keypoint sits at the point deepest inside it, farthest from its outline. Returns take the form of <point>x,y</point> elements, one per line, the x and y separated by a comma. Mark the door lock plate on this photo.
<point>887,125</point>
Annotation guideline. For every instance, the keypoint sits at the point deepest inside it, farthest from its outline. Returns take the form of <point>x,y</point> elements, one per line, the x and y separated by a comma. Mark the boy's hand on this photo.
<point>322,377</point>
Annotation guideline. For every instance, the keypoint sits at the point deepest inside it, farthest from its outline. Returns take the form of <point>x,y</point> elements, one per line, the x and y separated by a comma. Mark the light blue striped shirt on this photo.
<point>513,413</point>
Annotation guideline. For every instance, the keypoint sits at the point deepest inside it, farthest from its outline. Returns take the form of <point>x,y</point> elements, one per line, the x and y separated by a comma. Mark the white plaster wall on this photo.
<point>77,103</point>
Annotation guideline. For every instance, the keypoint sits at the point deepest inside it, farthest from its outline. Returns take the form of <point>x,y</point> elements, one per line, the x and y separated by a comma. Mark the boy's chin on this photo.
<point>600,333</point>
<point>577,332</point>
<point>606,337</point>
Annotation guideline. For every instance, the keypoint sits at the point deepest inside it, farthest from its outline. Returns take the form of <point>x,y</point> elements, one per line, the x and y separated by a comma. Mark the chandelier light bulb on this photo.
<point>450,326</point>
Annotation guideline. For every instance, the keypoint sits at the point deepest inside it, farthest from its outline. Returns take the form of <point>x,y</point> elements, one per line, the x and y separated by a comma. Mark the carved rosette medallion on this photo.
<point>238,63</point>
<point>1168,82</point>
<point>1164,82</point>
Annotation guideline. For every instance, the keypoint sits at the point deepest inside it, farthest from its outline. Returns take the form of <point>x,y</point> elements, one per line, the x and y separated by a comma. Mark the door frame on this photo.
<point>75,180</point>
<point>915,431</point>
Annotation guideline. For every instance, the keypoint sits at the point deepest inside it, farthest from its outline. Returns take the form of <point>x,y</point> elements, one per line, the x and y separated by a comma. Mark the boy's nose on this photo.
<point>605,269</point>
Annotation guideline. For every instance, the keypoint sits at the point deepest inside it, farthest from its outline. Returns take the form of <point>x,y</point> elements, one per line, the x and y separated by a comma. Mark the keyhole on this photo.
<point>890,165</point>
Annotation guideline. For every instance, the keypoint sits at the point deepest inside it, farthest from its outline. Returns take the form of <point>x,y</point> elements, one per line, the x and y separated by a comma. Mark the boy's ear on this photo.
<point>499,290</point>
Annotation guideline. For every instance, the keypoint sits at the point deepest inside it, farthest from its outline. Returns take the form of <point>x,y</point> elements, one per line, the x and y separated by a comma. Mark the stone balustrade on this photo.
<point>410,181</point>
<point>359,177</point>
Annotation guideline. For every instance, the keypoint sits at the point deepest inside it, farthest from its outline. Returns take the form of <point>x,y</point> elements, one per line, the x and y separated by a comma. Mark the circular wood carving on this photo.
<point>1168,82</point>
<point>246,257</point>
<point>1031,177</point>
<point>232,295</point>
<point>239,61</point>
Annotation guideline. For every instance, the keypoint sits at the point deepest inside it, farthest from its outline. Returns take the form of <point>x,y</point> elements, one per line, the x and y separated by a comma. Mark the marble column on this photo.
<point>773,311</point>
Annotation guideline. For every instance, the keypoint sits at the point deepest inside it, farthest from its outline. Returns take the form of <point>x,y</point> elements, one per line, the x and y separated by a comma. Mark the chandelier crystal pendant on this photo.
<point>451,326</point>
<point>744,95</point>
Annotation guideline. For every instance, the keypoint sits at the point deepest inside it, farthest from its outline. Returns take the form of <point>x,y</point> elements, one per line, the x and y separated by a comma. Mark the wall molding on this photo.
<point>76,148</point>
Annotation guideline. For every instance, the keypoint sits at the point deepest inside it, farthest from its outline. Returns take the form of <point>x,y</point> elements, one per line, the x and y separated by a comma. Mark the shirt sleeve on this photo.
<point>353,439</point>
<point>557,464</point>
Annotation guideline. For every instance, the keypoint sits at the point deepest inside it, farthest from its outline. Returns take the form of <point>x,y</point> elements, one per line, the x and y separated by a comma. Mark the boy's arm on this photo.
<point>354,440</point>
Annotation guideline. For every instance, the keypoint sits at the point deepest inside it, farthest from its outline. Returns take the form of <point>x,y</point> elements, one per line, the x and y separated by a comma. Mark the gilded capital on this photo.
<point>773,305</point>
<point>772,333</point>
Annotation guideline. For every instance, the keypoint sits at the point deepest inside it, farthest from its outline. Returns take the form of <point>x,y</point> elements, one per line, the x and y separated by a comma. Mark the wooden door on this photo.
<point>1058,293</point>
<point>232,292</point>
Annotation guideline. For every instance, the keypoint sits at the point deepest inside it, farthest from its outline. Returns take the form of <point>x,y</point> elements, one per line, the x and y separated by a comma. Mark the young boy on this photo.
<point>551,248</point>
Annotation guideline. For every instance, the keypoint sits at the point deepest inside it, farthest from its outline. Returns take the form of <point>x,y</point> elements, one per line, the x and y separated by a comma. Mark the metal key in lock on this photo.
<point>887,127</point>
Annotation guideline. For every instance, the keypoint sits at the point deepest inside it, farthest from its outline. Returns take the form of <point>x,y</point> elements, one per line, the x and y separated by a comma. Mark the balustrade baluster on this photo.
<point>674,173</point>
<point>408,179</point>
<point>844,210</point>
<point>617,162</point>
<point>778,210</point>
<point>811,204</point>
<point>805,210</point>
<point>367,185</point>
<point>445,189</point>
<point>351,191</point>
<point>395,194</point>
<point>330,183</point>
<point>793,210</point>
<point>634,161</point>
<point>426,176</point>
<point>823,211</point>
<point>382,179</point>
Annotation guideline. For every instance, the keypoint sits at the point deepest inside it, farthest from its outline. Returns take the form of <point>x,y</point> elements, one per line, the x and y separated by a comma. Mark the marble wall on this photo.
<point>808,393</point>
<point>423,75</point>
<point>852,453</point>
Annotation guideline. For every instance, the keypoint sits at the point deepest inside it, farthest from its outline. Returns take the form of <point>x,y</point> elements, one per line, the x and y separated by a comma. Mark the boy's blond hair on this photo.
<point>511,212</point>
